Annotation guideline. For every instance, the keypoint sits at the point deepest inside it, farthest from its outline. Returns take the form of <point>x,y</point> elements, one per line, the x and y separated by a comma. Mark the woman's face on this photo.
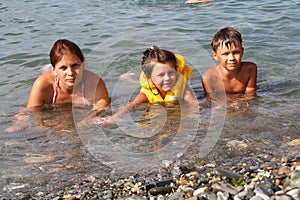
<point>67,70</point>
<point>164,76</point>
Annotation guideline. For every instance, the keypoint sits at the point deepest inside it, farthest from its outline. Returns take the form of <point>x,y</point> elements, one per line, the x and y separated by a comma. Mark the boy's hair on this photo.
<point>154,55</point>
<point>62,47</point>
<point>226,37</point>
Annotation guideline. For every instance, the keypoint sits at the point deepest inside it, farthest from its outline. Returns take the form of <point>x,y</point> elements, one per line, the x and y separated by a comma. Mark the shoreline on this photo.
<point>261,177</point>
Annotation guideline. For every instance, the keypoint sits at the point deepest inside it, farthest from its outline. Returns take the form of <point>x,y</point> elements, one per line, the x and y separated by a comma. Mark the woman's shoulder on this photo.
<point>90,76</point>
<point>45,80</point>
<point>92,79</point>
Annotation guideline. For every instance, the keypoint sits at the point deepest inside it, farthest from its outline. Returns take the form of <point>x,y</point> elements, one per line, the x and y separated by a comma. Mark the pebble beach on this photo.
<point>254,177</point>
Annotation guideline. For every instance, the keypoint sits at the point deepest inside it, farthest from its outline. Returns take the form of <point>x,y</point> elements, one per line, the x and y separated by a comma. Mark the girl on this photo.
<point>164,77</point>
<point>68,81</point>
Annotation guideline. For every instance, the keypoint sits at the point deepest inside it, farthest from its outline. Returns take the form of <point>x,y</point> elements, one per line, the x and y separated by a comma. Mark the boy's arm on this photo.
<point>206,88</point>
<point>250,91</point>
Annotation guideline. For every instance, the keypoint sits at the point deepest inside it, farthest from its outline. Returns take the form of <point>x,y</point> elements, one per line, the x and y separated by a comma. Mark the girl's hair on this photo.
<point>226,37</point>
<point>62,47</point>
<point>154,55</point>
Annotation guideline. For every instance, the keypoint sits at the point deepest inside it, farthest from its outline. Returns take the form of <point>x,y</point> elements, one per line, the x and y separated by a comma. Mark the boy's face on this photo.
<point>229,58</point>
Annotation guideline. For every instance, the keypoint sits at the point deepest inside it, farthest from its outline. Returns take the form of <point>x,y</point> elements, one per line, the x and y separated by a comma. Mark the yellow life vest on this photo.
<point>177,92</point>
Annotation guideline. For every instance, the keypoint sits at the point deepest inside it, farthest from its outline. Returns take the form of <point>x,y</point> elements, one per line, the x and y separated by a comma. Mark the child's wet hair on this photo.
<point>62,47</point>
<point>154,55</point>
<point>226,37</point>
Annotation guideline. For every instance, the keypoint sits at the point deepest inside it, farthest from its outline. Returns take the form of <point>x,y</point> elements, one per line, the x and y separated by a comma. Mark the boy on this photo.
<point>231,74</point>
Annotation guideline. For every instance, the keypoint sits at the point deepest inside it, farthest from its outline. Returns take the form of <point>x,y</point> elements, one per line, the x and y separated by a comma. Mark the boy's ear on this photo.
<point>214,54</point>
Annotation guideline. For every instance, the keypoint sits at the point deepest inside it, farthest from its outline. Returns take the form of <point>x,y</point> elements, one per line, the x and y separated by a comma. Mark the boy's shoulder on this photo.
<point>248,65</point>
<point>249,68</point>
<point>211,71</point>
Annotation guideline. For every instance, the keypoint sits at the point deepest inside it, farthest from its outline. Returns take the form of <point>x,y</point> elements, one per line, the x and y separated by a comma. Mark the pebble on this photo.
<point>159,190</point>
<point>199,191</point>
<point>295,193</point>
<point>228,173</point>
<point>295,142</point>
<point>176,196</point>
<point>256,178</point>
<point>225,188</point>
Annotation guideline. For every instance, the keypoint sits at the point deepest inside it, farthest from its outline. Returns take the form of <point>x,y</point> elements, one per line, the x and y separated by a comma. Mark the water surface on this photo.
<point>113,34</point>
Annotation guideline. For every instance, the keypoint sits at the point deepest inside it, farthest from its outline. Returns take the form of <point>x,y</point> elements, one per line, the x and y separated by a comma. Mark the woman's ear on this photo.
<point>53,70</point>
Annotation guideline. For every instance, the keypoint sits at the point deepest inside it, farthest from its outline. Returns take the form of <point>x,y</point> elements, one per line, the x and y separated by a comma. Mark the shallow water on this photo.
<point>55,149</point>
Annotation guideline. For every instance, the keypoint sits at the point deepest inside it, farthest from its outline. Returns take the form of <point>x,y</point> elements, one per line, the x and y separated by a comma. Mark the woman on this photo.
<point>68,81</point>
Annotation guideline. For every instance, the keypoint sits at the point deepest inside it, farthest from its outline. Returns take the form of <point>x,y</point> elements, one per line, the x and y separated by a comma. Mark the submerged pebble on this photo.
<point>260,177</point>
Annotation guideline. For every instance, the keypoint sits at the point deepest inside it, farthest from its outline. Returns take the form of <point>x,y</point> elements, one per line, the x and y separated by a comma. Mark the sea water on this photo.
<point>53,148</point>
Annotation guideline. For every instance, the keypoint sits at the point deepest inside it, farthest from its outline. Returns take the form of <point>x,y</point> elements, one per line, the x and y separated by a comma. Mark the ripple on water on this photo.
<point>45,155</point>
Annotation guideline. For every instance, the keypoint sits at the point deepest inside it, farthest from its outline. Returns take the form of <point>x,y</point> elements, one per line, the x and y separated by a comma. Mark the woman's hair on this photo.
<point>154,55</point>
<point>226,37</point>
<point>62,47</point>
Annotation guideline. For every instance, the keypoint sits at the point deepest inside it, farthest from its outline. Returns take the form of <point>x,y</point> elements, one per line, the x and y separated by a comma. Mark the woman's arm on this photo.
<point>140,98</point>
<point>40,93</point>
<point>101,98</point>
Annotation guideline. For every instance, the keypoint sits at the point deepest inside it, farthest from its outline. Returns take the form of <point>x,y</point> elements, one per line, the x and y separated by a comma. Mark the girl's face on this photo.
<point>164,76</point>
<point>67,70</point>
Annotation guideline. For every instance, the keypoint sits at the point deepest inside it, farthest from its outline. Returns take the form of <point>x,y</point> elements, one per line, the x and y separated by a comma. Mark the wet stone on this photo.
<point>225,188</point>
<point>176,196</point>
<point>188,191</point>
<point>261,177</point>
<point>223,195</point>
<point>108,195</point>
<point>256,198</point>
<point>261,193</point>
<point>295,193</point>
<point>283,171</point>
<point>207,195</point>
<point>283,197</point>
<point>228,173</point>
<point>158,184</point>
<point>242,195</point>
<point>236,148</point>
<point>199,191</point>
<point>160,190</point>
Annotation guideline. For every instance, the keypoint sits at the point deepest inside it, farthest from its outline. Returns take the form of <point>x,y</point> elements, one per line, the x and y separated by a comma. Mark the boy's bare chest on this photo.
<point>235,85</point>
